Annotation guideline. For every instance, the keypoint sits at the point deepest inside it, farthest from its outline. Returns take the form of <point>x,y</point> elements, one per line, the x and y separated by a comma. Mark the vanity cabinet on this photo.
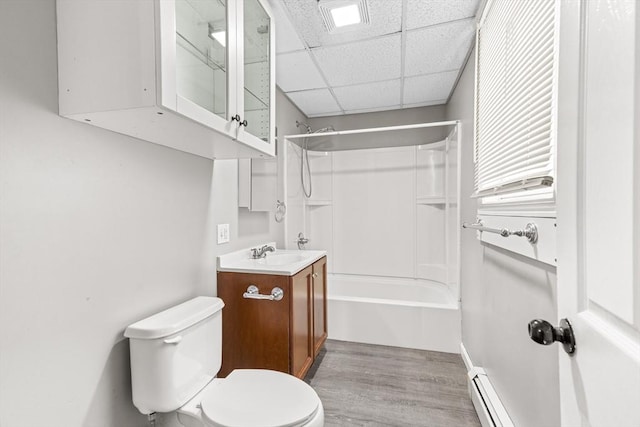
<point>319,286</point>
<point>284,335</point>
<point>194,75</point>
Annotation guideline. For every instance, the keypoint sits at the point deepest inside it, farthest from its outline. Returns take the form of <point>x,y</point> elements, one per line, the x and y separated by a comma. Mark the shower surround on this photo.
<point>388,218</point>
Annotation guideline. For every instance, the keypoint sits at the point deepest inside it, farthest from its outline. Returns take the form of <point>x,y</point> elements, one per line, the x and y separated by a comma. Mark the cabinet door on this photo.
<point>255,333</point>
<point>257,184</point>
<point>301,322</point>
<point>319,304</point>
<point>256,76</point>
<point>195,66</point>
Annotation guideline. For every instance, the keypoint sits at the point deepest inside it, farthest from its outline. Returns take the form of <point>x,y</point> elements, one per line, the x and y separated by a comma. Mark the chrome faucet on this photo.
<point>257,253</point>
<point>301,241</point>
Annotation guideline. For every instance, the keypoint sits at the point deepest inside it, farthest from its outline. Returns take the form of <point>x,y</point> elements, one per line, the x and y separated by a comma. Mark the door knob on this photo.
<point>545,333</point>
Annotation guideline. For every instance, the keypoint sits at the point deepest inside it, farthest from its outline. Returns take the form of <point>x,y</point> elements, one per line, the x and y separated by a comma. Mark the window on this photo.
<point>515,102</point>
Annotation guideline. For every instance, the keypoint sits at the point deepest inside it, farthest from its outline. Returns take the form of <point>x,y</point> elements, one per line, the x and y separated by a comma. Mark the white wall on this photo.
<point>374,212</point>
<point>383,118</point>
<point>97,230</point>
<point>501,292</point>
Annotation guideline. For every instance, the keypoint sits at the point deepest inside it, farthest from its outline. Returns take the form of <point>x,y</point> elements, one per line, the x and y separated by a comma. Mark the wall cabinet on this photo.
<point>194,75</point>
<point>284,335</point>
<point>258,184</point>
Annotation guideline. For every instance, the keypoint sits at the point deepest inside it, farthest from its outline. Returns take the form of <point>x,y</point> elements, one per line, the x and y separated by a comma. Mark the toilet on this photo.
<point>175,357</point>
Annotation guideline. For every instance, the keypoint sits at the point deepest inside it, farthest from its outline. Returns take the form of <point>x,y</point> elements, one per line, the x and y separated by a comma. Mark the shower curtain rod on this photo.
<point>371,130</point>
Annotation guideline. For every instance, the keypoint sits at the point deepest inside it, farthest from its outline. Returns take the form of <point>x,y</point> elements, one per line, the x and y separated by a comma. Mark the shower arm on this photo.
<point>304,125</point>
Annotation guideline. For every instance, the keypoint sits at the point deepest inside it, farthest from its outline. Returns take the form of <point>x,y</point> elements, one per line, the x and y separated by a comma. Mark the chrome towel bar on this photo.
<point>530,230</point>
<point>254,293</point>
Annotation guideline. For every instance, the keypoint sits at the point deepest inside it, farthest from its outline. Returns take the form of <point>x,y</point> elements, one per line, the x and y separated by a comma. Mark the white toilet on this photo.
<point>175,356</point>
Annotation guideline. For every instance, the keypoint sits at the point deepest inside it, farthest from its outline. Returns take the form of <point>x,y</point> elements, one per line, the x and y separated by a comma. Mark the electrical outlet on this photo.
<point>223,233</point>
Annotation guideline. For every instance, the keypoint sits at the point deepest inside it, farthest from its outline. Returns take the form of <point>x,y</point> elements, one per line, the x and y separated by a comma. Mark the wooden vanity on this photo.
<point>284,335</point>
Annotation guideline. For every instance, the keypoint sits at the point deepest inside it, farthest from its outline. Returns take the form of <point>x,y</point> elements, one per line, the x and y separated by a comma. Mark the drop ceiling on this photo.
<point>409,56</point>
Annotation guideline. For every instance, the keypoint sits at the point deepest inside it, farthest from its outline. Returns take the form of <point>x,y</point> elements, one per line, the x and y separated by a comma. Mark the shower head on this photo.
<point>306,126</point>
<point>323,130</point>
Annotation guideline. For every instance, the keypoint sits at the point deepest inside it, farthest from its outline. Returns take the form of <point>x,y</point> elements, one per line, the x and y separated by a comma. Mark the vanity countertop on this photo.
<point>282,262</point>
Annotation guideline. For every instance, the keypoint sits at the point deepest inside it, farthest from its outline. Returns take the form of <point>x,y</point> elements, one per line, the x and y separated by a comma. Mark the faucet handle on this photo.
<point>255,252</point>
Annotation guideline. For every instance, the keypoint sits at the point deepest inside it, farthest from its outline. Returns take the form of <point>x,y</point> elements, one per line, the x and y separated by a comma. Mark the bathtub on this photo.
<point>408,313</point>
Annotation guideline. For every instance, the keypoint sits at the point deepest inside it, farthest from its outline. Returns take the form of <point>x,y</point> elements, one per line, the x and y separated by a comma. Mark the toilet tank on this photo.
<point>175,354</point>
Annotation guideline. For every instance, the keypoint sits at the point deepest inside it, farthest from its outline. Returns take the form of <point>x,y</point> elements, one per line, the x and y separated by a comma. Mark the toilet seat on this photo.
<point>258,397</point>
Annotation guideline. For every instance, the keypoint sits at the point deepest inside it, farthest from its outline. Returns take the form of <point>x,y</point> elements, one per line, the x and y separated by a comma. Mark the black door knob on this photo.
<point>545,333</point>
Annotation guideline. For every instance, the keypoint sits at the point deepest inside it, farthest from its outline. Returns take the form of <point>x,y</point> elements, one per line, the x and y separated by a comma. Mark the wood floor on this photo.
<point>370,385</point>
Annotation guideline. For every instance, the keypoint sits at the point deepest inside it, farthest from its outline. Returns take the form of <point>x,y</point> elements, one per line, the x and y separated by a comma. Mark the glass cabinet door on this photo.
<point>201,53</point>
<point>257,69</point>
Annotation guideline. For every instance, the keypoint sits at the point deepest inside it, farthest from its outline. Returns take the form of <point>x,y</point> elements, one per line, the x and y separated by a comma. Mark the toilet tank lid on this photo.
<point>174,319</point>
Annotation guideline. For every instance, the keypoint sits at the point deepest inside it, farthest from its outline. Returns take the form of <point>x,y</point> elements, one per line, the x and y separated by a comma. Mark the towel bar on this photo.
<point>530,230</point>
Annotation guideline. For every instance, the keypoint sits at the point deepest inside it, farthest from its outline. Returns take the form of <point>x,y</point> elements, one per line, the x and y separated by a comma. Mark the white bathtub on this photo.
<point>407,313</point>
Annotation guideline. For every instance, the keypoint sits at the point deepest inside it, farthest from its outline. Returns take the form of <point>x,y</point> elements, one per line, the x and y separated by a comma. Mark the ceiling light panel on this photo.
<point>344,15</point>
<point>438,48</point>
<point>296,71</point>
<point>361,62</point>
<point>367,96</point>
<point>348,15</point>
<point>385,16</point>
<point>423,13</point>
<point>315,102</point>
<point>429,88</point>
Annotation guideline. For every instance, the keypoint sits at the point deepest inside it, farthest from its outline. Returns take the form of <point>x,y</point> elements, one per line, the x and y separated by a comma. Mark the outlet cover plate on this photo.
<point>223,233</point>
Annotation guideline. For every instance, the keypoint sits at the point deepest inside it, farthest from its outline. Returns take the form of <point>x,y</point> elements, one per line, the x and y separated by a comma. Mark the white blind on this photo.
<point>515,96</point>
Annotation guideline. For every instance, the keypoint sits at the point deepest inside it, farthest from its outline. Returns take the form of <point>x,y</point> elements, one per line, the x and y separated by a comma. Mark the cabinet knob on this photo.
<point>314,275</point>
<point>235,118</point>
<point>244,123</point>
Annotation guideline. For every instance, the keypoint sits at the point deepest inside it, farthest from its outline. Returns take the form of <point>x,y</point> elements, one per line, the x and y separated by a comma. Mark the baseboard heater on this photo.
<point>486,401</point>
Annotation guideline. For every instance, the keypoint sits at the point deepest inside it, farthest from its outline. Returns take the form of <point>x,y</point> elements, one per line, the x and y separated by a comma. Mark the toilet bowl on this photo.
<point>254,397</point>
<point>175,357</point>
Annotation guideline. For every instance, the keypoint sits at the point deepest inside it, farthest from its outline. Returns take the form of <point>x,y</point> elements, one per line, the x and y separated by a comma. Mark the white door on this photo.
<point>599,211</point>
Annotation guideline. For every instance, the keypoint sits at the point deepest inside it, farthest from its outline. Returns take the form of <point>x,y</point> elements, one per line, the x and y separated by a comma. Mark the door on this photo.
<point>256,75</point>
<point>255,333</point>
<point>194,52</point>
<point>301,348</point>
<point>319,304</point>
<point>599,211</point>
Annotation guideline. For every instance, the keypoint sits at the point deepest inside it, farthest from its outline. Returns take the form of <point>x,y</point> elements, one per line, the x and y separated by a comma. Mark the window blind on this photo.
<point>515,89</point>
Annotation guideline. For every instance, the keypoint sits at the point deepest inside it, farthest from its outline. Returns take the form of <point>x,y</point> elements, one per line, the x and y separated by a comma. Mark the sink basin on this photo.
<point>281,262</point>
<point>278,258</point>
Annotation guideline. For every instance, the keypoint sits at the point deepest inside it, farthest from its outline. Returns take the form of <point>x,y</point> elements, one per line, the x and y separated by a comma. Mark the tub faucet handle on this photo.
<point>301,240</point>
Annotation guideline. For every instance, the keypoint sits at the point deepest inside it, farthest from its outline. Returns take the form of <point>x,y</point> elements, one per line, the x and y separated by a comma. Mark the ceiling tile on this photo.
<point>371,95</point>
<point>386,18</point>
<point>296,71</point>
<point>428,88</point>
<point>439,48</point>
<point>361,62</point>
<point>287,38</point>
<point>422,13</point>
<point>314,102</point>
